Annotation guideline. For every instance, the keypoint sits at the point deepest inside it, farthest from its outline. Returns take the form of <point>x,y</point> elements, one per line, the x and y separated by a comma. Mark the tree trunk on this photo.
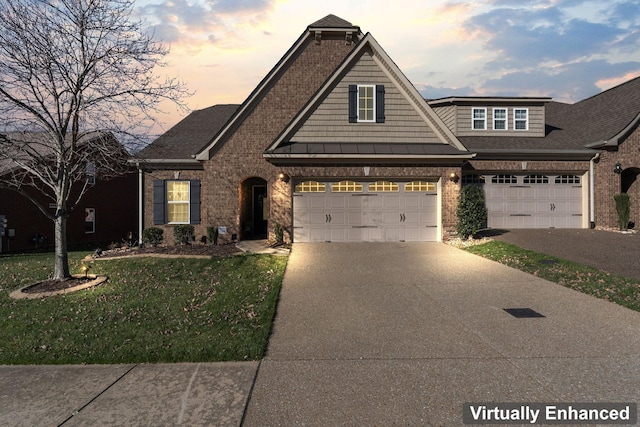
<point>61,269</point>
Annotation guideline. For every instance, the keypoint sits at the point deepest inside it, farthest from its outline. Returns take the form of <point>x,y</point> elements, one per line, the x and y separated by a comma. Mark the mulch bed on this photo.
<point>56,285</point>
<point>186,250</point>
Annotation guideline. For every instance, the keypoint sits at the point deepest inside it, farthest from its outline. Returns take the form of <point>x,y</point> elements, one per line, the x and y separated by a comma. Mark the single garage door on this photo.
<point>356,211</point>
<point>532,201</point>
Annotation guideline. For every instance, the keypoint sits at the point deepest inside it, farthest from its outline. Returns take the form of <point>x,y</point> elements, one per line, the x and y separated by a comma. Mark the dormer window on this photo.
<point>366,103</point>
<point>500,119</point>
<point>521,118</point>
<point>479,118</point>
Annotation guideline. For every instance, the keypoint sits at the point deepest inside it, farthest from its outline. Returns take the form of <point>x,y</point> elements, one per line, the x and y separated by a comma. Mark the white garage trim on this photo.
<point>376,211</point>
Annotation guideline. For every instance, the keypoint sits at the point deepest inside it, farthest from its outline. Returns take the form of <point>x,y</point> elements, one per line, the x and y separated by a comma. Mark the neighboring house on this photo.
<point>336,144</point>
<point>107,212</point>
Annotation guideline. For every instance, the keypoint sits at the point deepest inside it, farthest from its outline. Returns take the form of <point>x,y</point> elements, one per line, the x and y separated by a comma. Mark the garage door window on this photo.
<point>472,179</point>
<point>504,179</point>
<point>310,187</point>
<point>346,187</point>
<point>536,179</point>
<point>420,186</point>
<point>567,179</point>
<point>383,187</point>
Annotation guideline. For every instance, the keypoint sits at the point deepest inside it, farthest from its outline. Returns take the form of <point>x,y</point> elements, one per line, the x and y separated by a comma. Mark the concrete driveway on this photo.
<point>404,334</point>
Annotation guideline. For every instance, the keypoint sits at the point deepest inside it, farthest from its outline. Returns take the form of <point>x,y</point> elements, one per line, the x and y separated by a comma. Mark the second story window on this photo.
<point>366,104</point>
<point>479,116</point>
<point>500,119</point>
<point>521,119</point>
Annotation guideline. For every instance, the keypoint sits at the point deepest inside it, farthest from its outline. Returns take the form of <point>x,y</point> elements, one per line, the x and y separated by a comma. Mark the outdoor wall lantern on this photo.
<point>618,168</point>
<point>283,177</point>
<point>453,177</point>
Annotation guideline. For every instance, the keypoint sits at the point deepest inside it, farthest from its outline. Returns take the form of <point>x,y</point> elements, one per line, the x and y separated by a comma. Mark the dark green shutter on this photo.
<point>194,201</point>
<point>353,103</point>
<point>159,202</point>
<point>379,103</point>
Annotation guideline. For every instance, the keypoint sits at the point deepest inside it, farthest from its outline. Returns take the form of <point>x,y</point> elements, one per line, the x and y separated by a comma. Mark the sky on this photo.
<point>564,49</point>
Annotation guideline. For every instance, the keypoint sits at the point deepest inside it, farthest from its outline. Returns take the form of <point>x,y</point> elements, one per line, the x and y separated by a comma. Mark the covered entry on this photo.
<point>365,211</point>
<point>254,208</point>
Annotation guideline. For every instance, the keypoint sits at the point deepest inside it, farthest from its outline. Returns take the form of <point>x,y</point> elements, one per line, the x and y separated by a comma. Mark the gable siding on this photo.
<point>536,121</point>
<point>448,116</point>
<point>330,121</point>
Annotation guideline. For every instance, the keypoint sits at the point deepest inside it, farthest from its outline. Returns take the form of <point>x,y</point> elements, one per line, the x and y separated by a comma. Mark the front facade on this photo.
<point>335,144</point>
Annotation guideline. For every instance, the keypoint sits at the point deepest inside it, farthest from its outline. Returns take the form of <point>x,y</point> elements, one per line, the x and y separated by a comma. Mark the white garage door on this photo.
<point>533,201</point>
<point>350,211</point>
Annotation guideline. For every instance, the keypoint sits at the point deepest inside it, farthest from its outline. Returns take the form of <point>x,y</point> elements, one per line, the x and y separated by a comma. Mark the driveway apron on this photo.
<point>406,333</point>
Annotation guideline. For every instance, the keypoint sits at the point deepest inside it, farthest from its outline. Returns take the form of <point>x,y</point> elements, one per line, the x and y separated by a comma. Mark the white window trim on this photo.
<point>176,202</point>
<point>90,171</point>
<point>526,125</point>
<point>473,119</point>
<point>373,91</point>
<point>506,119</point>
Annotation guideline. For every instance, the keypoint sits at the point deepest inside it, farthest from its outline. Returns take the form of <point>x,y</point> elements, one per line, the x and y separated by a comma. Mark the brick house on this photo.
<point>336,144</point>
<point>107,212</point>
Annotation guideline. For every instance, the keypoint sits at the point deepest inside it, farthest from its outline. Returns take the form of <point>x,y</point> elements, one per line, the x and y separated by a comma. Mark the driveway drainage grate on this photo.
<point>523,313</point>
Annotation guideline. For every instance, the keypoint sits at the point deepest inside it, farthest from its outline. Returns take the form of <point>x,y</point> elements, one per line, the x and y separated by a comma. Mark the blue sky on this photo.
<point>565,49</point>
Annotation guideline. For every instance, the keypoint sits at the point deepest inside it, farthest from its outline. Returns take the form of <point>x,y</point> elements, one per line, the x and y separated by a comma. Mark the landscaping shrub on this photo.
<point>472,212</point>
<point>212,232</point>
<point>152,236</point>
<point>183,234</point>
<point>623,206</point>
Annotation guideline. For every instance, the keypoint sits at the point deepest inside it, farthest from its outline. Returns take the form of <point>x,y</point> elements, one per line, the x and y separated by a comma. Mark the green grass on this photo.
<point>150,310</point>
<point>588,280</point>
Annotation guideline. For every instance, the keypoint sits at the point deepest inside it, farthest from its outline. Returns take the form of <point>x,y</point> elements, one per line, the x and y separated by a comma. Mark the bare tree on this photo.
<point>73,73</point>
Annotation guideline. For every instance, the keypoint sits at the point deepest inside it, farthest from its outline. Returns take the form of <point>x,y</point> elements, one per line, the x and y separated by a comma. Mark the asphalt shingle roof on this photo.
<point>190,135</point>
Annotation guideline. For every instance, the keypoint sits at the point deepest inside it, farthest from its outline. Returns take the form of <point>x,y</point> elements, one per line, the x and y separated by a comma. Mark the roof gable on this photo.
<point>337,28</point>
<point>410,120</point>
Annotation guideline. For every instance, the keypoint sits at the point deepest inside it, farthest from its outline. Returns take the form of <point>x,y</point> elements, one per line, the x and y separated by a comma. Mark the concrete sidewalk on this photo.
<point>198,394</point>
<point>404,334</point>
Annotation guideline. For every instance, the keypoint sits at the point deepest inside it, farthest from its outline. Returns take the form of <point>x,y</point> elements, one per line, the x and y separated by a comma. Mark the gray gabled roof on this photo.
<point>190,135</point>
<point>332,21</point>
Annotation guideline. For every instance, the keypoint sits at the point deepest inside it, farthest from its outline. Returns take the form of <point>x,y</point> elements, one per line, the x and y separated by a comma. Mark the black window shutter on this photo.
<point>158,202</point>
<point>194,201</point>
<point>353,103</point>
<point>379,103</point>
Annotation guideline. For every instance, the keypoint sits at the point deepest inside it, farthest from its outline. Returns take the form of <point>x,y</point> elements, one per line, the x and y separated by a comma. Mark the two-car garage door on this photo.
<point>533,200</point>
<point>377,211</point>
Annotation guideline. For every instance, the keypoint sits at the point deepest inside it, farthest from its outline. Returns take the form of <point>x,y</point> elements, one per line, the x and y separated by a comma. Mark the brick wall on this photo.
<point>608,183</point>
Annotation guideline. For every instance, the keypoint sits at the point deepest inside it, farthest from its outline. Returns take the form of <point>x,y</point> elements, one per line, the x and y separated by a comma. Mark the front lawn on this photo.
<point>150,310</point>
<point>588,280</point>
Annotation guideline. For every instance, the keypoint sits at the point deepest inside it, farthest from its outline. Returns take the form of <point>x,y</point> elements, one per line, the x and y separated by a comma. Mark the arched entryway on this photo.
<point>629,185</point>
<point>254,208</point>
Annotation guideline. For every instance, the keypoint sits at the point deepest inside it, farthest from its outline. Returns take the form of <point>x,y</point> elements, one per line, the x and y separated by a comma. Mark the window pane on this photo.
<point>365,103</point>
<point>178,191</point>
<point>178,212</point>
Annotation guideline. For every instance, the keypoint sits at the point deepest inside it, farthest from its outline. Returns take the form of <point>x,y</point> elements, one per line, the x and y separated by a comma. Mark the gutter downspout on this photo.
<point>140,203</point>
<point>592,191</point>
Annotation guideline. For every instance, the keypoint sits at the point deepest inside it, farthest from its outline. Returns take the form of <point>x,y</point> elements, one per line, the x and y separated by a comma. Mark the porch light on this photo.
<point>453,177</point>
<point>283,177</point>
<point>618,168</point>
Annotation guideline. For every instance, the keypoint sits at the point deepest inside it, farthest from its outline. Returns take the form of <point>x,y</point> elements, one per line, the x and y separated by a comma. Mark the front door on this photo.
<point>259,211</point>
